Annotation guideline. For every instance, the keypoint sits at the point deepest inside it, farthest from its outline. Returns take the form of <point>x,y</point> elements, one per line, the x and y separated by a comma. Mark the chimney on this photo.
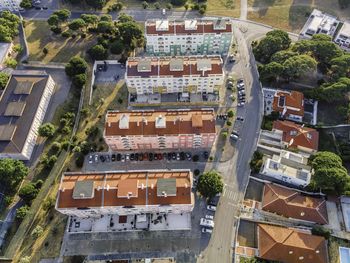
<point>107,187</point>
<point>109,124</point>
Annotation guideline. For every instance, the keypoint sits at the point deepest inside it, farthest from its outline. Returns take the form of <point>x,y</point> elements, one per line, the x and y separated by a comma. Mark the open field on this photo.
<point>229,8</point>
<point>291,14</point>
<point>60,49</point>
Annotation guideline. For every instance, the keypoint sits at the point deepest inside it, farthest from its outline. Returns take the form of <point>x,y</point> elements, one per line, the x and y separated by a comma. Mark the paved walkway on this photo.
<point>244,9</point>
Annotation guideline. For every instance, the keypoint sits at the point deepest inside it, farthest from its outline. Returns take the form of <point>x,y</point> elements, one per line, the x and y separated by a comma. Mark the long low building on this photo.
<point>92,194</point>
<point>160,129</point>
<point>23,105</point>
<point>181,37</point>
<point>194,74</point>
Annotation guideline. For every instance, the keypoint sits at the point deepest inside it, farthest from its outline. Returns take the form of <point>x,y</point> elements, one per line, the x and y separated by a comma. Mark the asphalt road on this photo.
<point>236,171</point>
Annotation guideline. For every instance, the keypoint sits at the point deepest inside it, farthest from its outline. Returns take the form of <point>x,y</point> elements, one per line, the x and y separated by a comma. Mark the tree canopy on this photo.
<point>274,41</point>
<point>4,77</point>
<point>75,66</point>
<point>329,173</point>
<point>26,4</point>
<point>210,184</point>
<point>47,130</point>
<point>98,52</point>
<point>8,26</point>
<point>297,66</point>
<point>12,173</point>
<point>77,24</point>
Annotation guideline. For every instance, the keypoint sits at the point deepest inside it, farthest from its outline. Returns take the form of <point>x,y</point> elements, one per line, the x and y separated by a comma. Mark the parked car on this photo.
<point>163,12</point>
<point>189,156</point>
<point>178,156</point>
<point>150,157</point>
<point>182,156</point>
<point>132,157</point>
<point>127,157</point>
<point>169,156</point>
<point>240,81</point>
<point>240,118</point>
<point>240,104</point>
<point>96,158</point>
<point>207,230</point>
<point>113,157</point>
<point>234,137</point>
<point>209,217</point>
<point>136,156</point>
<point>90,159</point>
<point>211,208</point>
<point>123,158</point>
<point>206,222</point>
<point>140,156</point>
<point>155,156</point>
<point>102,158</point>
<point>206,155</point>
<point>119,157</point>
<point>173,155</point>
<point>160,156</point>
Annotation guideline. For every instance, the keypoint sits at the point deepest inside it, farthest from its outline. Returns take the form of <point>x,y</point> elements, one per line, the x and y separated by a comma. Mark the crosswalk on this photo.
<point>230,193</point>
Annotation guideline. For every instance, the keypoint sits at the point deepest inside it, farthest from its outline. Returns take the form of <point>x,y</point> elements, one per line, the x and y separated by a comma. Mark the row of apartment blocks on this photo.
<point>322,23</point>
<point>193,74</point>
<point>203,36</point>
<point>184,56</point>
<point>160,129</point>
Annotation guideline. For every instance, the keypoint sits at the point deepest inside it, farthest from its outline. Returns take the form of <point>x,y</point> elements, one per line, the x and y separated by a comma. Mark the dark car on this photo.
<point>136,156</point>
<point>140,156</point>
<point>155,156</point>
<point>173,155</point>
<point>150,156</point>
<point>45,7</point>
<point>206,155</point>
<point>132,157</point>
<point>239,81</point>
<point>182,156</point>
<point>119,157</point>
<point>102,158</point>
<point>169,156</point>
<point>160,156</point>
<point>113,157</point>
<point>164,156</point>
<point>145,156</point>
<point>189,156</point>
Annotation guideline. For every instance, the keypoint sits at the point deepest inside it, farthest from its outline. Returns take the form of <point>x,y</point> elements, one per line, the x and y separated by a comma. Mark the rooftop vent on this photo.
<point>124,122</point>
<point>160,122</point>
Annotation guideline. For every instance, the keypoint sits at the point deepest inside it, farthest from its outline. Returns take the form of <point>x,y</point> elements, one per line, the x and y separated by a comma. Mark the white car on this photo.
<point>240,104</point>
<point>163,12</point>
<point>90,159</point>
<point>207,230</point>
<point>96,158</point>
<point>209,217</point>
<point>234,137</point>
<point>211,208</point>
<point>240,85</point>
<point>206,222</point>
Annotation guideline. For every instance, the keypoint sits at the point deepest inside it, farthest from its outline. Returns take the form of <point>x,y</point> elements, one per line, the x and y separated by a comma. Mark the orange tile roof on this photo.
<point>294,102</point>
<point>160,66</point>
<point>296,135</point>
<point>177,122</point>
<point>290,245</point>
<point>112,188</point>
<point>290,203</point>
<point>178,27</point>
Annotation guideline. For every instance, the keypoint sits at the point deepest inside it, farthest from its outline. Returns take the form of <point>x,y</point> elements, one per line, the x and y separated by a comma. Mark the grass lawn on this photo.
<point>39,36</point>
<point>231,8</point>
<point>291,14</point>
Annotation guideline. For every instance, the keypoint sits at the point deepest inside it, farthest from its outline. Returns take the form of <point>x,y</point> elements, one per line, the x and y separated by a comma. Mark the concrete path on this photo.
<point>244,9</point>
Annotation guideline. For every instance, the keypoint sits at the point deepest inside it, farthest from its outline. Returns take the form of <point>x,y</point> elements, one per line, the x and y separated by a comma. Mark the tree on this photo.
<point>145,5</point>
<point>11,174</point>
<point>156,5</point>
<point>75,66</point>
<point>256,162</point>
<point>55,147</point>
<point>79,80</point>
<point>22,212</point>
<point>297,66</point>
<point>53,20</point>
<point>270,72</point>
<point>178,2</point>
<point>331,92</point>
<point>97,4</point>
<point>62,14</point>
<point>340,67</point>
<point>130,31</point>
<point>329,173</point>
<point>230,113</point>
<point>210,184</point>
<point>47,130</point>
<point>28,193</point>
<point>26,4</point>
<point>123,18</point>
<point>98,52</point>
<point>169,6</point>
<point>281,56</point>
<point>105,27</point>
<point>107,18</point>
<point>4,77</point>
<point>117,47</point>
<point>90,19</point>
<point>8,26</point>
<point>11,63</point>
<point>274,41</point>
<point>76,24</point>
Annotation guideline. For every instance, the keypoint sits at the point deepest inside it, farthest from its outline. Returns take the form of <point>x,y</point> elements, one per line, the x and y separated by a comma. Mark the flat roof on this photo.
<point>170,122</point>
<point>188,27</point>
<point>18,106</point>
<point>131,188</point>
<point>196,66</point>
<point>345,29</point>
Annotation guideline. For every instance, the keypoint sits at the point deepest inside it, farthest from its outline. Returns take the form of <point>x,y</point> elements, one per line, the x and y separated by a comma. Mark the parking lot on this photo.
<point>146,160</point>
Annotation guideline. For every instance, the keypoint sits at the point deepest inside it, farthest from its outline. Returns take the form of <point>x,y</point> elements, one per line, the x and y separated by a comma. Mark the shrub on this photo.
<point>47,130</point>
<point>66,34</point>
<point>79,80</point>
<point>98,52</point>
<point>37,231</point>
<point>65,145</point>
<point>11,63</point>
<point>28,193</point>
<point>256,161</point>
<point>55,147</point>
<point>25,259</point>
<point>145,5</point>
<point>56,30</point>
<point>22,212</point>
<point>230,113</point>
<point>169,6</point>
<point>196,172</point>
<point>49,203</point>
<point>229,123</point>
<point>156,5</point>
<point>80,160</point>
<point>224,135</point>
<point>75,66</point>
<point>178,2</point>
<point>321,231</point>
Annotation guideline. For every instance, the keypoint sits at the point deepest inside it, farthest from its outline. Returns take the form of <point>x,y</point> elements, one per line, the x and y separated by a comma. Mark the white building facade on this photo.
<point>195,74</point>
<point>185,37</point>
<point>343,36</point>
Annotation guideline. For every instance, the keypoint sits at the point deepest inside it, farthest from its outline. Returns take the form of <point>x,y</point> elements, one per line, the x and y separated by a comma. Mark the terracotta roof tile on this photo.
<point>297,135</point>
<point>293,204</point>
<point>293,101</point>
<point>290,245</point>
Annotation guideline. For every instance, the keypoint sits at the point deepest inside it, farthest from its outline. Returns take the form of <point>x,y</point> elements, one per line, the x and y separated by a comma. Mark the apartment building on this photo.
<point>160,129</point>
<point>194,74</point>
<point>319,23</point>
<point>137,193</point>
<point>288,167</point>
<point>343,36</point>
<point>185,37</point>
<point>23,105</point>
